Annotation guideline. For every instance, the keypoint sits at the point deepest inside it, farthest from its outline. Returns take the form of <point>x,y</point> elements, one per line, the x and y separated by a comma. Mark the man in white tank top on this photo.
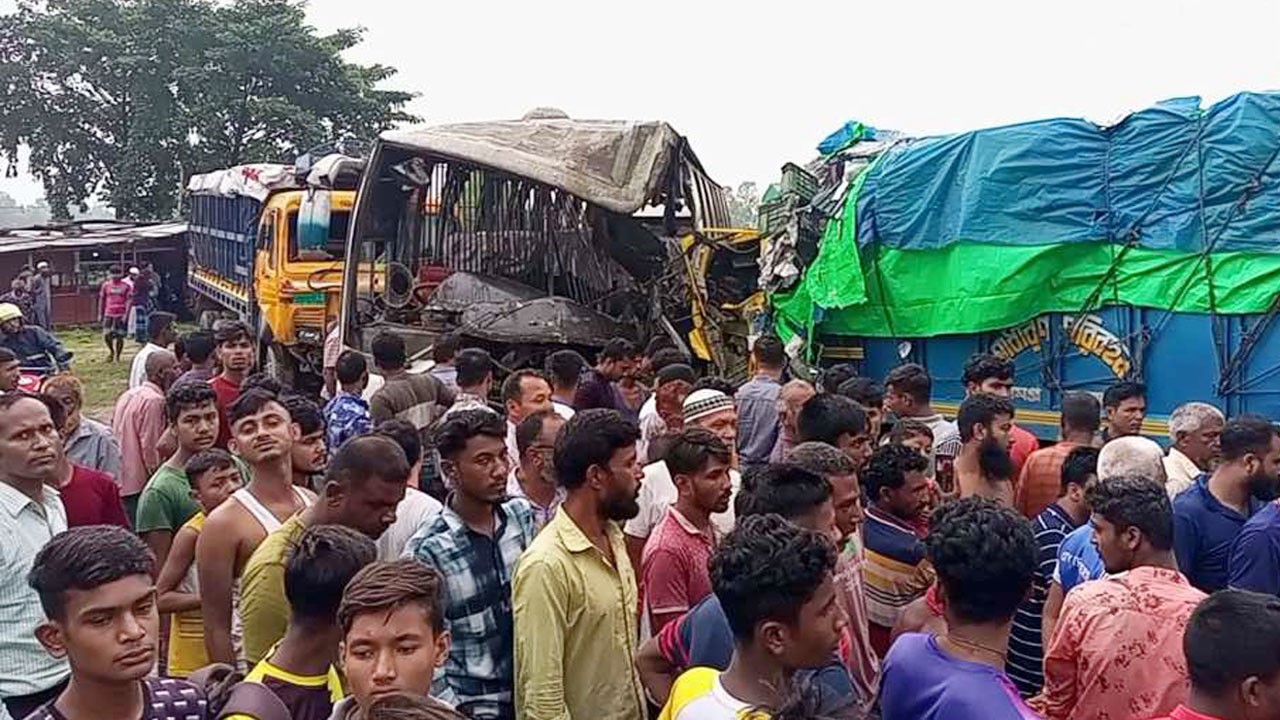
<point>262,434</point>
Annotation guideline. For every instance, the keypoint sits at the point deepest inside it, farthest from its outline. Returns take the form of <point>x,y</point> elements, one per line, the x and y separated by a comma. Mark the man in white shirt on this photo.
<point>161,336</point>
<point>417,508</point>
<point>1195,432</point>
<point>31,513</point>
<point>524,393</point>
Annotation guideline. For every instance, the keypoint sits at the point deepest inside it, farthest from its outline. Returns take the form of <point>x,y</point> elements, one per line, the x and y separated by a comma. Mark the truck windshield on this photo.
<point>333,248</point>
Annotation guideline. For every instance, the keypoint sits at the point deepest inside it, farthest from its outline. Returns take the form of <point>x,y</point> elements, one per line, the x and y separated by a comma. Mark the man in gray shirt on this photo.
<point>757,403</point>
<point>41,300</point>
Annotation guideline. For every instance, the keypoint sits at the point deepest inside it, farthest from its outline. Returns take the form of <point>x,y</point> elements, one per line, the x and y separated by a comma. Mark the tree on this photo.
<point>127,98</point>
<point>744,204</point>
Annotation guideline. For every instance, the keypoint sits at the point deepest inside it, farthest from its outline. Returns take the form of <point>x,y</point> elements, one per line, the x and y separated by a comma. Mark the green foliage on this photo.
<point>128,98</point>
<point>744,204</point>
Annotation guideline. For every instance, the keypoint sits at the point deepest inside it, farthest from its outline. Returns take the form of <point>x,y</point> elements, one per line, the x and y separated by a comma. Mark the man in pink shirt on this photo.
<point>674,563</point>
<point>1116,651</point>
<point>138,423</point>
<point>113,303</point>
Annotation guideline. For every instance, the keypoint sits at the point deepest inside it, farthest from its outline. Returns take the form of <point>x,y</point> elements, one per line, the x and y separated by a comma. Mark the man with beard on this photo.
<point>574,593</point>
<point>474,543</point>
<point>674,565</point>
<point>262,435</point>
<point>595,388</point>
<point>985,423</point>
<point>986,373</point>
<point>1209,515</point>
<point>1255,556</point>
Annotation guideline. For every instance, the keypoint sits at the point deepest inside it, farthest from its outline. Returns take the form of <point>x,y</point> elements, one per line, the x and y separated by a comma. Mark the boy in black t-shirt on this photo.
<point>95,586</point>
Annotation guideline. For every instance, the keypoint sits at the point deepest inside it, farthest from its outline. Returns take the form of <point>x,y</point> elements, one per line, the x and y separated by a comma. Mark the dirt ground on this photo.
<point>103,381</point>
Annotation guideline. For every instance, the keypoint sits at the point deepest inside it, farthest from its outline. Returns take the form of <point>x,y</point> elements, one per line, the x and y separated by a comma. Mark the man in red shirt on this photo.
<point>986,373</point>
<point>113,303</point>
<point>674,575</point>
<point>236,353</point>
<point>90,497</point>
<point>1041,480</point>
<point>1231,646</point>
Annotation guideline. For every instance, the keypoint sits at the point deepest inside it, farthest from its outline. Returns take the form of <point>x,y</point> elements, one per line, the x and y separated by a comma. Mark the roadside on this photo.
<point>103,381</point>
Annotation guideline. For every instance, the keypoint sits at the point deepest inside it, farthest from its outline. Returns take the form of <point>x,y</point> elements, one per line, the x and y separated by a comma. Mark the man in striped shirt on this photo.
<point>896,571</point>
<point>1026,648</point>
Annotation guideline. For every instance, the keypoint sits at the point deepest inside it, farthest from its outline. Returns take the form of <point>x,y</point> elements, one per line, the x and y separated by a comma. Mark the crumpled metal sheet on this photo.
<point>619,165</point>
<point>502,310</point>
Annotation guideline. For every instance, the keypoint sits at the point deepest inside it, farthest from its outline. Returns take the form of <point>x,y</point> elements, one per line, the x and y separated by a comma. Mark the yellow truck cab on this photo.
<point>266,247</point>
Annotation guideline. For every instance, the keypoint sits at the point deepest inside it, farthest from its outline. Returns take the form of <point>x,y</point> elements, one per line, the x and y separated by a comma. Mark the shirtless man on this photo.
<point>983,466</point>
<point>262,434</point>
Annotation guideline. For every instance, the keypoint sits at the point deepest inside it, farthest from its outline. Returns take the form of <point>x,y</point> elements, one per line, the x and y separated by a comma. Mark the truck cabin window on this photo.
<point>334,246</point>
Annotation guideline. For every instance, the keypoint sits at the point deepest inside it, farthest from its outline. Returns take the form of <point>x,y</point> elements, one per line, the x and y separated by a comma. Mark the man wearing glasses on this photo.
<point>535,478</point>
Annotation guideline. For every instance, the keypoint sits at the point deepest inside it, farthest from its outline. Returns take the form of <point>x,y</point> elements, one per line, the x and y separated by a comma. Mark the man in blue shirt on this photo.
<point>758,404</point>
<point>1209,515</point>
<point>1255,556</point>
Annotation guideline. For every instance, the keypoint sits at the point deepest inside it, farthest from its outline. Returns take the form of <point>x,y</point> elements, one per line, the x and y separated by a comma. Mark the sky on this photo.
<point>753,87</point>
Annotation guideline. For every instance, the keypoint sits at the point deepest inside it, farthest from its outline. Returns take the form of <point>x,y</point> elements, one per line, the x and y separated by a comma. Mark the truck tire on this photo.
<point>279,365</point>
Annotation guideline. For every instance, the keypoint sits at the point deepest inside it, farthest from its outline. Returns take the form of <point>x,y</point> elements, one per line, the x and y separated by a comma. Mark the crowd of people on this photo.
<point>625,539</point>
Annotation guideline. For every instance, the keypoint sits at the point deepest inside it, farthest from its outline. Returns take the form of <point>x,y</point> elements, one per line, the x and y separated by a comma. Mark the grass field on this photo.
<point>103,381</point>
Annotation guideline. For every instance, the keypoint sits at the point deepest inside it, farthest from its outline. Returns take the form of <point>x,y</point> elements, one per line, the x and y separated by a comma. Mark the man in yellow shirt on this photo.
<point>300,670</point>
<point>574,593</point>
<point>363,484</point>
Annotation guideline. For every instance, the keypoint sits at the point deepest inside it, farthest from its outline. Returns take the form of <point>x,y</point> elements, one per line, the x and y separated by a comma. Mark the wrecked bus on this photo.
<point>529,235</point>
<point>1146,250</point>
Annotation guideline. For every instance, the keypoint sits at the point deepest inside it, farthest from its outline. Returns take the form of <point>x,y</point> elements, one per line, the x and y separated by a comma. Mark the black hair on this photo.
<point>459,427</point>
<point>618,349</point>
<point>658,448</point>
<point>200,346</point>
<point>863,390</point>
<point>693,448</point>
<point>389,351</point>
<point>657,344</point>
<point>513,386</point>
<point>115,270</point>
<point>679,372</point>
<point>1231,637</point>
<point>304,412</point>
<point>158,322</point>
<point>530,429</point>
<point>769,352</point>
<point>825,417</point>
<point>7,355</point>
<point>229,331</point>
<point>981,367</point>
<point>981,409</point>
<point>472,365</point>
<point>821,459</point>
<point>180,348</point>
<point>888,468</point>
<point>1081,412</point>
<point>262,381</point>
<point>319,566</point>
<point>830,379</point>
<point>213,459</point>
<point>715,382</point>
<point>911,379</point>
<point>905,428</point>
<point>985,557</point>
<point>445,347</point>
<point>1122,391</point>
<point>404,434</point>
<point>666,357</point>
<point>564,367</point>
<point>590,438</point>
<point>384,587</point>
<point>84,558</point>
<point>1081,463</point>
<point>186,396</point>
<point>1247,433</point>
<point>784,489</point>
<point>1134,501</point>
<point>368,457</point>
<point>351,366</point>
<point>57,413</point>
<point>251,402</point>
<point>767,569</point>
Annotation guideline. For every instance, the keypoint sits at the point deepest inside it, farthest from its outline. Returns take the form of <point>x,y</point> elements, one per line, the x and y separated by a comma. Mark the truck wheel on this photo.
<point>279,365</point>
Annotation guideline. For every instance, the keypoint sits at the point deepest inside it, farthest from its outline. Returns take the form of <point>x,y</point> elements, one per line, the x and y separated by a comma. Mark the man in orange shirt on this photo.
<point>1041,478</point>
<point>1117,651</point>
